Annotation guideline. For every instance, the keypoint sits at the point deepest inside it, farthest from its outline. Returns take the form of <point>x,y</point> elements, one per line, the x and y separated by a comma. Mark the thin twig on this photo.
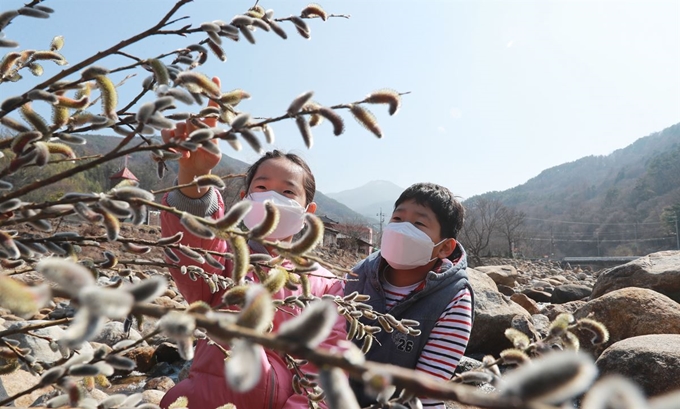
<point>98,56</point>
<point>194,183</point>
<point>32,327</point>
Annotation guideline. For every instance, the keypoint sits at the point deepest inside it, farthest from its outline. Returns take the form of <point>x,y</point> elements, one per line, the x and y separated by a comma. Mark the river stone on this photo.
<point>658,271</point>
<point>651,361</point>
<point>570,292</point>
<point>494,313</point>
<point>630,312</point>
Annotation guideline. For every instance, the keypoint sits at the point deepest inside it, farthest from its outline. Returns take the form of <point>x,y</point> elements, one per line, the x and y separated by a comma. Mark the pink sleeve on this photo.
<point>193,290</point>
<point>338,333</point>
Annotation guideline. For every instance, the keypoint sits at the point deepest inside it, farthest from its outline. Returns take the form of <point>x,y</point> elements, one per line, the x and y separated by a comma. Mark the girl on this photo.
<point>289,183</point>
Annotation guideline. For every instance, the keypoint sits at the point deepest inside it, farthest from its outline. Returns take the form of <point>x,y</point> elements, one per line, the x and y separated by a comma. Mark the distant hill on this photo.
<point>146,171</point>
<point>370,198</point>
<point>611,204</point>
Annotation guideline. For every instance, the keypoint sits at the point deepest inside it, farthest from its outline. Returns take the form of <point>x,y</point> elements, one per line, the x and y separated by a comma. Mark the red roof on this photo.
<point>124,174</point>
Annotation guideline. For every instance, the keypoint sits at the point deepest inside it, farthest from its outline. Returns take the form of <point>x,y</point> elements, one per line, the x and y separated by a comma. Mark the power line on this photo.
<point>592,223</point>
<point>595,240</point>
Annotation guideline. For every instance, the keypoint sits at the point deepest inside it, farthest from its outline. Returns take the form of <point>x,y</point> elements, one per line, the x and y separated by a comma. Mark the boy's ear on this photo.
<point>447,248</point>
<point>242,194</point>
<point>311,208</point>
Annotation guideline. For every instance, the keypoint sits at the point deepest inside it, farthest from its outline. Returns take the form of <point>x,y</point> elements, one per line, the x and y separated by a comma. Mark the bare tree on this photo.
<point>511,226</point>
<point>482,219</point>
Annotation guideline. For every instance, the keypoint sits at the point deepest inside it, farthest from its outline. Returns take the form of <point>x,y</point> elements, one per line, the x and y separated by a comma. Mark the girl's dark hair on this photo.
<point>309,182</point>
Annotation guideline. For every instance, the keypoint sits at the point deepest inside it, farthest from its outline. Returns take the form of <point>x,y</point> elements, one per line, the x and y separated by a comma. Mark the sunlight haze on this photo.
<point>498,90</point>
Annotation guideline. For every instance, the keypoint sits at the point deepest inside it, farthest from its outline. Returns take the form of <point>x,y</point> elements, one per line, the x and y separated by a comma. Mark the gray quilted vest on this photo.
<point>424,306</point>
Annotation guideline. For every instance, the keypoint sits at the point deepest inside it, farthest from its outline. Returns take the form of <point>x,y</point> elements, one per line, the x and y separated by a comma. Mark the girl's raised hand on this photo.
<point>197,163</point>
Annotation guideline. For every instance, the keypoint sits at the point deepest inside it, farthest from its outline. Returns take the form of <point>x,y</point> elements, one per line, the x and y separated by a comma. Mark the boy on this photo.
<point>419,273</point>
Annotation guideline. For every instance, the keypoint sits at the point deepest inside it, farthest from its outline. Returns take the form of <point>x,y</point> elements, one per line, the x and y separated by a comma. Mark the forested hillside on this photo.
<point>602,205</point>
<point>145,170</point>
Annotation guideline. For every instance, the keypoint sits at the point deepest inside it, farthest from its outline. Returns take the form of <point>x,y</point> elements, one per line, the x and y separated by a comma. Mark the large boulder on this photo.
<point>494,313</point>
<point>652,361</point>
<point>658,271</point>
<point>630,312</point>
<point>501,275</point>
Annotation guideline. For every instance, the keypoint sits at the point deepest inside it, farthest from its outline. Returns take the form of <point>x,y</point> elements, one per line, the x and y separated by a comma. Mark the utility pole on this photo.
<point>381,218</point>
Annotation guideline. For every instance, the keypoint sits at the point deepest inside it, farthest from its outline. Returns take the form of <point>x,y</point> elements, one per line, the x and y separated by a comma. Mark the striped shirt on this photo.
<point>448,338</point>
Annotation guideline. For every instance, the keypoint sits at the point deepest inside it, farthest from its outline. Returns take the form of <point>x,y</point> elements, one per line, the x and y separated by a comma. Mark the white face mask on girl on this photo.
<point>291,213</point>
<point>405,247</point>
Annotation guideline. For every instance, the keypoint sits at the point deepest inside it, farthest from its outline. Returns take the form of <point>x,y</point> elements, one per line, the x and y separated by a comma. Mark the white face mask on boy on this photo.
<point>405,247</point>
<point>291,213</point>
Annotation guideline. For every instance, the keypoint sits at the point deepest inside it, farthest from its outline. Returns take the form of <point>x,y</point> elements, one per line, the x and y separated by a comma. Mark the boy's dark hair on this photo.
<point>309,182</point>
<point>449,211</point>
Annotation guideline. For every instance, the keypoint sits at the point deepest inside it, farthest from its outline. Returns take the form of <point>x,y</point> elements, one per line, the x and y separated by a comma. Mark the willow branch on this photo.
<point>96,57</point>
<point>411,380</point>
<point>194,183</point>
<point>113,352</point>
<point>32,327</point>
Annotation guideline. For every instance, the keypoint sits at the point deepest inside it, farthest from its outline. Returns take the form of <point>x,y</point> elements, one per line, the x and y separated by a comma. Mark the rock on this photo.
<point>152,396</point>
<point>570,292</point>
<point>127,385</point>
<point>542,285</point>
<point>167,302</point>
<point>170,293</point>
<point>167,352</point>
<point>62,310</point>
<point>553,310</point>
<point>652,361</point>
<point>630,312</point>
<point>40,347</point>
<point>526,303</point>
<point>504,289</point>
<point>504,275</point>
<point>113,333</point>
<point>162,383</point>
<point>97,394</point>
<point>18,381</point>
<point>144,358</point>
<point>537,295</point>
<point>493,315</point>
<point>184,372</point>
<point>164,369</point>
<point>541,324</point>
<point>556,281</point>
<point>456,405</point>
<point>524,324</point>
<point>658,271</point>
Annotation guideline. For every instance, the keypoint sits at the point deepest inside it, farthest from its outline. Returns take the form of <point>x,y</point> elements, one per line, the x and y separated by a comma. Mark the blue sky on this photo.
<point>499,90</point>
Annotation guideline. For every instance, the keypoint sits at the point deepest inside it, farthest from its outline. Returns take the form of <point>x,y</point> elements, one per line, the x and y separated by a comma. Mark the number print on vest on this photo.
<point>402,342</point>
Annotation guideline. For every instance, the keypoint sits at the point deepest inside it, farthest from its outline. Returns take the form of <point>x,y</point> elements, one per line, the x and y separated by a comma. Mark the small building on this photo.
<point>330,233</point>
<point>356,244</point>
<point>123,175</point>
<point>355,237</point>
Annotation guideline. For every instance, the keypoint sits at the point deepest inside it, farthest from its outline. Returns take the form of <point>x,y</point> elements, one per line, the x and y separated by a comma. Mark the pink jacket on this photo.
<point>206,386</point>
